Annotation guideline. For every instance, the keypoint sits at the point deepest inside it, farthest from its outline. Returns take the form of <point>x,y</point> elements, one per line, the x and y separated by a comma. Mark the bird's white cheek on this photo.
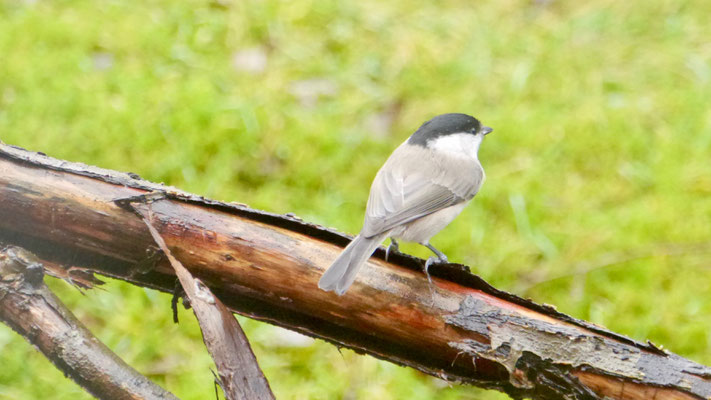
<point>464,144</point>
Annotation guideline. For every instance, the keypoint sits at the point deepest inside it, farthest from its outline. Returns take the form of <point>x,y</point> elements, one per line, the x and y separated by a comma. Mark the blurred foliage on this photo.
<point>599,189</point>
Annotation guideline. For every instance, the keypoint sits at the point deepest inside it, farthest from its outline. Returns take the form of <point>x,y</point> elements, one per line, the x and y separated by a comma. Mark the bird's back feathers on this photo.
<point>415,182</point>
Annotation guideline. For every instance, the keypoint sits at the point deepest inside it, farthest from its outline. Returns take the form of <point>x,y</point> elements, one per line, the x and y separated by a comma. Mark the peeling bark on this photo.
<point>240,375</point>
<point>266,266</point>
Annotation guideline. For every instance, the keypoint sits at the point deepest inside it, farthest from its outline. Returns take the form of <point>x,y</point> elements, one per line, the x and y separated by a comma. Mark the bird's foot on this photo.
<point>431,261</point>
<point>393,247</point>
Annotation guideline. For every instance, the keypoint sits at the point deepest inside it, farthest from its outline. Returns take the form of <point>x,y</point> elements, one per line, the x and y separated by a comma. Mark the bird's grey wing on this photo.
<point>413,184</point>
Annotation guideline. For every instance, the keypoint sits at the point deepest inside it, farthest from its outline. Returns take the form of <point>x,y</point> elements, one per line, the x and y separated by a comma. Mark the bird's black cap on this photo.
<point>446,124</point>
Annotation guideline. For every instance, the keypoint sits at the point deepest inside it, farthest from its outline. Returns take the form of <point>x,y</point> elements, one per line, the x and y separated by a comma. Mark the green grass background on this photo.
<point>598,195</point>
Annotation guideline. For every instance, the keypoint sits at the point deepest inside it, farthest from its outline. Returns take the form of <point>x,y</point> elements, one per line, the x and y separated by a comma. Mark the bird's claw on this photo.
<point>393,247</point>
<point>431,261</point>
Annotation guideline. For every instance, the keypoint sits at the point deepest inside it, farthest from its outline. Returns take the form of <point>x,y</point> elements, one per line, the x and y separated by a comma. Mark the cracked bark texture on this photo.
<point>266,266</point>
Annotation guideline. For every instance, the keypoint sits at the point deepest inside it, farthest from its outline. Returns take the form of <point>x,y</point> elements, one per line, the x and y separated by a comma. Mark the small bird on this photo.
<point>425,183</point>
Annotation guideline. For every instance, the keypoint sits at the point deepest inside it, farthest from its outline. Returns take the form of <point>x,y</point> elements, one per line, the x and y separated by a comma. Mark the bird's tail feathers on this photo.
<point>341,274</point>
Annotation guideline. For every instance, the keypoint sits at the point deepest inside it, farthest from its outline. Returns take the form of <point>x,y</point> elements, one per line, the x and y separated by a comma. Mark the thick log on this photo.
<point>266,266</point>
<point>33,311</point>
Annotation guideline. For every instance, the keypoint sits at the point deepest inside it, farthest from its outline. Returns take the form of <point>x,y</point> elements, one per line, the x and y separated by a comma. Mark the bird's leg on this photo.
<point>394,246</point>
<point>441,258</point>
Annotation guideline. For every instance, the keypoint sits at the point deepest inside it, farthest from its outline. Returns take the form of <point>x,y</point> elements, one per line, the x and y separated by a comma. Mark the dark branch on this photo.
<point>32,310</point>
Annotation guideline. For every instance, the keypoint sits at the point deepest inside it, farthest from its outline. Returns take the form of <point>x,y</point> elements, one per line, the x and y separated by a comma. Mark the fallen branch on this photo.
<point>266,266</point>
<point>240,375</point>
<point>33,311</point>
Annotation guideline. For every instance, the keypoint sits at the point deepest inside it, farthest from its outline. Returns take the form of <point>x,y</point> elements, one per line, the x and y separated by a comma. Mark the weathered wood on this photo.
<point>240,375</point>
<point>33,311</point>
<point>266,266</point>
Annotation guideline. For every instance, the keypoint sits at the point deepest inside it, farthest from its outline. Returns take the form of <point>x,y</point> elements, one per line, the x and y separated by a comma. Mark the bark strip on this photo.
<point>33,311</point>
<point>240,375</point>
<point>266,266</point>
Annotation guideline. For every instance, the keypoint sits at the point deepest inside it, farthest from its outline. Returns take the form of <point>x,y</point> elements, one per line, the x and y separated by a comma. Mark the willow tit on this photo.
<point>420,189</point>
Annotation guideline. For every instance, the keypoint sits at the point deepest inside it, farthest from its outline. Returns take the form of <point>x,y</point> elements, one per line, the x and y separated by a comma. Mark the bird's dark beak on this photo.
<point>486,130</point>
